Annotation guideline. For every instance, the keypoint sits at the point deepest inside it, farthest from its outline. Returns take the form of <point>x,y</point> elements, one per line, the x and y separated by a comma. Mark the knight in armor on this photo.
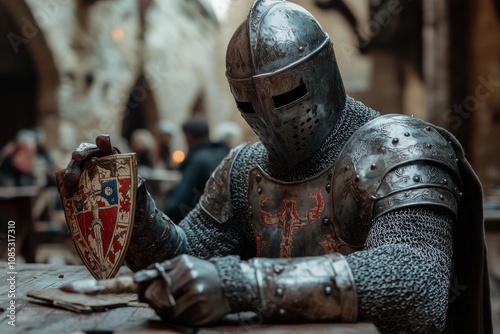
<point>337,214</point>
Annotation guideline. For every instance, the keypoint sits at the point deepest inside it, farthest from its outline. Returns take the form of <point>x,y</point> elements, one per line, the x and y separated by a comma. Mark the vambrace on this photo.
<point>298,289</point>
<point>155,237</point>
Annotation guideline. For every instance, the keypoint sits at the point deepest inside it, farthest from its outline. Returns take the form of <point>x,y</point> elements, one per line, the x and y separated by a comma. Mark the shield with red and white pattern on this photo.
<point>100,214</point>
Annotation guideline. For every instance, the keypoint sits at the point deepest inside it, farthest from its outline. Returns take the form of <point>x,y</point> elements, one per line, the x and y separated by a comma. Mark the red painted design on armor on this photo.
<point>260,242</point>
<point>288,219</point>
<point>329,244</point>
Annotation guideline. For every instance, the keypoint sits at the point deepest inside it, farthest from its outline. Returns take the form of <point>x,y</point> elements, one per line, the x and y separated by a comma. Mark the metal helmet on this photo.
<point>283,74</point>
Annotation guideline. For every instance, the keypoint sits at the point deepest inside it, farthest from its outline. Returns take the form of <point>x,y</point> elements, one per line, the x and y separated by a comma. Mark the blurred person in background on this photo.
<point>165,132</point>
<point>229,132</point>
<point>142,143</point>
<point>202,158</point>
<point>18,165</point>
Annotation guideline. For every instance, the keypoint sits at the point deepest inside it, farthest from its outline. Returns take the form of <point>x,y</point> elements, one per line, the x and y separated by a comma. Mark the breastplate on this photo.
<point>293,219</point>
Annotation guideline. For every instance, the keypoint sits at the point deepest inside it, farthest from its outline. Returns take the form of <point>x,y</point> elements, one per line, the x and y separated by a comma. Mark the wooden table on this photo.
<point>35,318</point>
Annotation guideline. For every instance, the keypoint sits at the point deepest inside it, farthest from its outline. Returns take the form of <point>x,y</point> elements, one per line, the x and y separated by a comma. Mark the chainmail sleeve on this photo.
<point>403,274</point>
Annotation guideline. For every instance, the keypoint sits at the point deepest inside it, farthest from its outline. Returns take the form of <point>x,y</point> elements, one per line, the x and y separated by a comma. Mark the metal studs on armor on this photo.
<point>282,311</point>
<point>407,134</point>
<point>428,145</point>
<point>258,178</point>
<point>461,194</point>
<point>327,221</point>
<point>373,166</point>
<point>346,168</point>
<point>356,178</point>
<point>259,190</point>
<point>441,196</point>
<point>416,178</point>
<point>279,292</point>
<point>328,187</point>
<point>445,181</point>
<point>328,290</point>
<point>428,128</point>
<point>395,140</point>
<point>250,211</point>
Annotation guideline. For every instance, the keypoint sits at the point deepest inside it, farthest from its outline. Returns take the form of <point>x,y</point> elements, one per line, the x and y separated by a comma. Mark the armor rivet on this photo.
<point>456,160</point>
<point>258,177</point>
<point>346,168</point>
<point>445,181</point>
<point>301,48</point>
<point>428,128</point>
<point>282,311</point>
<point>407,134</point>
<point>356,178</point>
<point>259,190</point>
<point>373,166</point>
<point>428,145</point>
<point>449,143</point>
<point>395,140</point>
<point>441,196</point>
<point>250,211</point>
<point>328,290</point>
<point>326,221</point>
<point>416,178</point>
<point>328,187</point>
<point>461,194</point>
<point>278,269</point>
<point>279,292</point>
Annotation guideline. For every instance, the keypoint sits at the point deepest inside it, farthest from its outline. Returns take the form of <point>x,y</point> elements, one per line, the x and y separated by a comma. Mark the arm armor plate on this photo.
<point>155,237</point>
<point>392,162</point>
<point>291,289</point>
<point>216,198</point>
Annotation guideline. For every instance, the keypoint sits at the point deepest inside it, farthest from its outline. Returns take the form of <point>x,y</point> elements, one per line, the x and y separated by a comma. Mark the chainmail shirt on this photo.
<point>402,275</point>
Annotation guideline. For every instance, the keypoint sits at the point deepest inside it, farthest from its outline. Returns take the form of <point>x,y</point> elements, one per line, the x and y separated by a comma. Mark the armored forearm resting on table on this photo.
<point>308,288</point>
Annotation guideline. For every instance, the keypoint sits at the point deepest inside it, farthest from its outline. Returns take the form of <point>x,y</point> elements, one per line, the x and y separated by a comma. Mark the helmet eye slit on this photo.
<point>245,107</point>
<point>290,96</point>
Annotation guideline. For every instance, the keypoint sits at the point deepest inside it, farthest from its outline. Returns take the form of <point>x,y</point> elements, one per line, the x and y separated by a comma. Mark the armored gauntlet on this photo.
<point>155,237</point>
<point>299,289</point>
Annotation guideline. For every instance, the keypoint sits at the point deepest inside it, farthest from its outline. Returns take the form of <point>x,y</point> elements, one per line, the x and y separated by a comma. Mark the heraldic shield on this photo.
<point>100,214</point>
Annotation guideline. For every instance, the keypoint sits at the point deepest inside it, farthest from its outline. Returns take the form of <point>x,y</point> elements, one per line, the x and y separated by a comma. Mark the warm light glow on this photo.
<point>178,156</point>
<point>118,33</point>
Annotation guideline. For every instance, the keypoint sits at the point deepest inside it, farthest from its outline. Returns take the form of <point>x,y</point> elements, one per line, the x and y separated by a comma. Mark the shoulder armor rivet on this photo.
<point>461,194</point>
<point>428,128</point>
<point>250,211</point>
<point>416,178</point>
<point>356,178</point>
<point>301,48</point>
<point>346,168</point>
<point>259,190</point>
<point>373,166</point>
<point>407,134</point>
<point>279,292</point>
<point>441,196</point>
<point>456,160</point>
<point>428,145</point>
<point>395,140</point>
<point>282,311</point>
<point>328,187</point>
<point>278,269</point>
<point>445,181</point>
<point>328,290</point>
<point>258,177</point>
<point>326,221</point>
